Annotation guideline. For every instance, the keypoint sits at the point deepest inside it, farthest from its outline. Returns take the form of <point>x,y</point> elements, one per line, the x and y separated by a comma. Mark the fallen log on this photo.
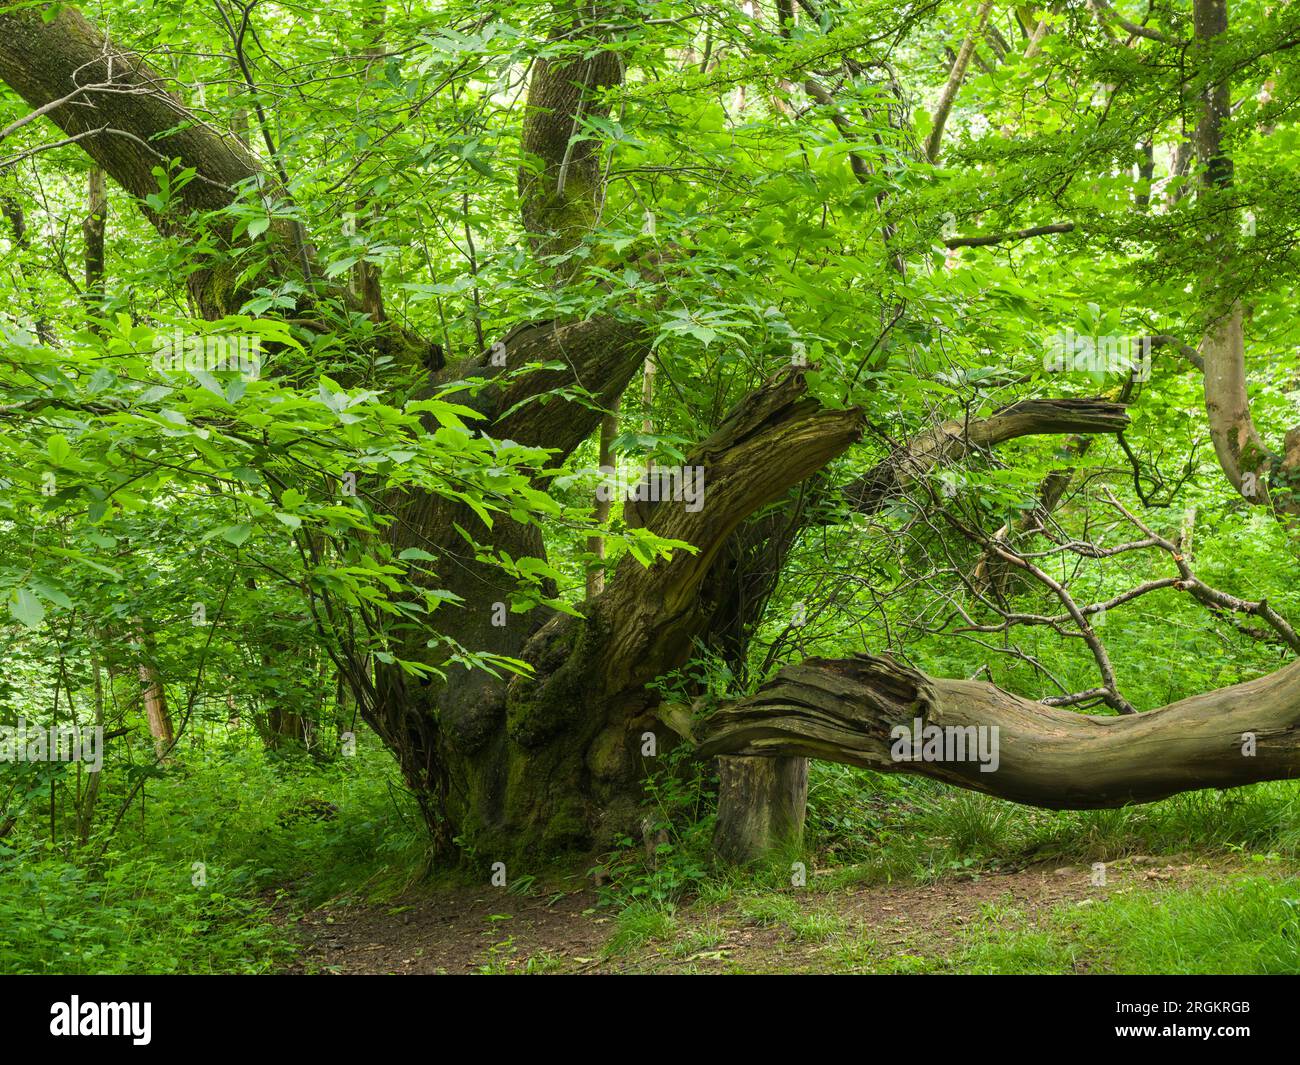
<point>861,710</point>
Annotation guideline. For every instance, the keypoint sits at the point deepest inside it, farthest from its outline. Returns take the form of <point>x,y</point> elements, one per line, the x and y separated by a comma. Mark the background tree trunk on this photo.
<point>153,695</point>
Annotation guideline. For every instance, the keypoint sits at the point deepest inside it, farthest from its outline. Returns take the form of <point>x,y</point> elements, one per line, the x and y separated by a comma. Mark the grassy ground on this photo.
<point>1150,917</point>
<point>191,879</point>
<point>899,876</point>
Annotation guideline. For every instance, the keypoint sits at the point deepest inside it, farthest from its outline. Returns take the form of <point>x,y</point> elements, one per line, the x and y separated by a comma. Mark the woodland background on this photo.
<point>826,249</point>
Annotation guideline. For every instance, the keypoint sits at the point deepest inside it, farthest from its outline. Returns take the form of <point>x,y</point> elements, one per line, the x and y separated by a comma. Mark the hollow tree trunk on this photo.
<point>451,738</point>
<point>554,761</point>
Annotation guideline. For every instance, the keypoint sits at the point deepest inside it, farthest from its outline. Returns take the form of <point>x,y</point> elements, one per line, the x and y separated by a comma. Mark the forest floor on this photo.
<point>936,926</point>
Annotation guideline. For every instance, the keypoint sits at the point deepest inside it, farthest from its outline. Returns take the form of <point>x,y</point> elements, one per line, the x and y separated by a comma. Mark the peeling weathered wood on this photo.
<point>775,438</point>
<point>843,710</point>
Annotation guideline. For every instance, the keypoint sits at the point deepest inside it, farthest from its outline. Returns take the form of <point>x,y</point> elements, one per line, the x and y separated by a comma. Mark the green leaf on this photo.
<point>27,608</point>
<point>58,449</point>
<point>236,534</point>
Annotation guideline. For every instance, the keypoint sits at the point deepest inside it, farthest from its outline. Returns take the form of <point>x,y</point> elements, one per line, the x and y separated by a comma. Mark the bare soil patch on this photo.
<point>486,930</point>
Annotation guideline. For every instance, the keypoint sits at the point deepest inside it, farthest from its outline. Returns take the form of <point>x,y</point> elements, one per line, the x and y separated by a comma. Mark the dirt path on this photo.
<point>884,926</point>
<point>816,930</point>
<point>453,931</point>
